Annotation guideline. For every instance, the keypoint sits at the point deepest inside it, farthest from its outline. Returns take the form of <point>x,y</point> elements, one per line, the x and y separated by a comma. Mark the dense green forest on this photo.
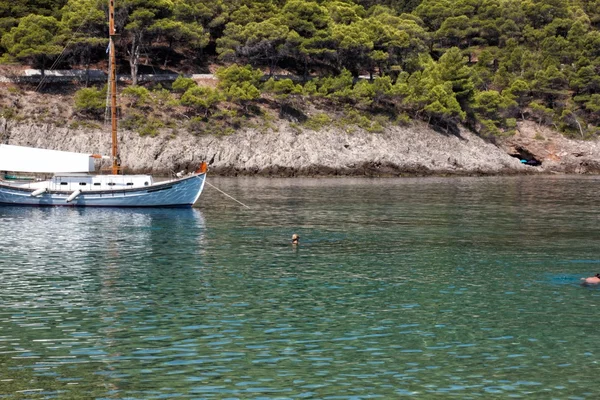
<point>482,63</point>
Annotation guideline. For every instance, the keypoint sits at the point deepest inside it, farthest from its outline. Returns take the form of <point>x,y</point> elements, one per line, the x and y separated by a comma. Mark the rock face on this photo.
<point>414,150</point>
<point>556,152</point>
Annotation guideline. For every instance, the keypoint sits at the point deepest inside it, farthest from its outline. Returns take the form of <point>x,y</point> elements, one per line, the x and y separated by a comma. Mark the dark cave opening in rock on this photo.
<point>526,157</point>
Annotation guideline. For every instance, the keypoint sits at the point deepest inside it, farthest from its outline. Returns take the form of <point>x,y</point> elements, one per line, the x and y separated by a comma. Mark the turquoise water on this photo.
<point>424,288</point>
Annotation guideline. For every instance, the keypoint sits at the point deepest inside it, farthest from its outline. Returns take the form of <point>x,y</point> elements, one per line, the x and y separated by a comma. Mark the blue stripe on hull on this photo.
<point>181,193</point>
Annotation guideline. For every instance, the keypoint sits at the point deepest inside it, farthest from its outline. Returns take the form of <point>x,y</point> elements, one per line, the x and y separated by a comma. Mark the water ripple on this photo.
<point>464,287</point>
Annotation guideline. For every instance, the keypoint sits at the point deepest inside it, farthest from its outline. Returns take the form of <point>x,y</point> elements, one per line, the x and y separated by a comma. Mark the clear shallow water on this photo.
<point>454,287</point>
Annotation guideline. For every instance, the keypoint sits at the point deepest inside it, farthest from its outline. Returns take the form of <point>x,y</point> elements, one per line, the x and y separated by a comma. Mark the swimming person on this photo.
<point>295,238</point>
<point>592,280</point>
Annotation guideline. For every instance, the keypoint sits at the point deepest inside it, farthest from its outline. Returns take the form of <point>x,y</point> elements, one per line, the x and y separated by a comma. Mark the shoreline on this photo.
<point>367,172</point>
<point>285,151</point>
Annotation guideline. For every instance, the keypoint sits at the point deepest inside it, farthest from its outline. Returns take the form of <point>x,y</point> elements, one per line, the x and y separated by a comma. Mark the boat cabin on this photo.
<point>85,183</point>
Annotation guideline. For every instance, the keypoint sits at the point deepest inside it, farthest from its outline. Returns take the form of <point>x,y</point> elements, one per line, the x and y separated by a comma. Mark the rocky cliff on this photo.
<point>287,151</point>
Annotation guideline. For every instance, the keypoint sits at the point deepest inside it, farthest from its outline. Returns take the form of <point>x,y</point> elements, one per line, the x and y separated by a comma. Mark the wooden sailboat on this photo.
<point>73,182</point>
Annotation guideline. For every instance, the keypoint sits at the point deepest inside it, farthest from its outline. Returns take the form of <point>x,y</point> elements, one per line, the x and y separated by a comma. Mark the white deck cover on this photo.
<point>30,159</point>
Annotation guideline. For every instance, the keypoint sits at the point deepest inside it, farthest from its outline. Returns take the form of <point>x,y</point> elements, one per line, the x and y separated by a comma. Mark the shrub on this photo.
<point>370,123</point>
<point>310,88</point>
<point>282,89</point>
<point>7,113</point>
<point>489,128</point>
<point>201,98</point>
<point>138,95</point>
<point>541,113</point>
<point>363,93</point>
<point>133,121</point>
<point>91,101</point>
<point>201,126</point>
<point>235,75</point>
<point>403,119</point>
<point>182,84</point>
<point>151,127</point>
<point>336,86</point>
<point>162,97</point>
<point>318,121</point>
<point>197,126</point>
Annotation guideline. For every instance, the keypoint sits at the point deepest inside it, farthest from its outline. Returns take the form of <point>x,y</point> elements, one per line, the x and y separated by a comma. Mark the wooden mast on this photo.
<point>113,86</point>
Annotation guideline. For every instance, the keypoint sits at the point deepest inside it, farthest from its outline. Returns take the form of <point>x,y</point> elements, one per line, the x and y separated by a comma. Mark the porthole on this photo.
<point>129,183</point>
<point>82,183</point>
<point>111,184</point>
<point>145,183</point>
<point>64,183</point>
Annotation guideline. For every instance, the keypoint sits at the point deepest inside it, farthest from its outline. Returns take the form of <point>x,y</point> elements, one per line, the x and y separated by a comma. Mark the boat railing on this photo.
<point>20,177</point>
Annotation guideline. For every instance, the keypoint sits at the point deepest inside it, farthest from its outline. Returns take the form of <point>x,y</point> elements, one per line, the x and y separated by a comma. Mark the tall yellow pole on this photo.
<point>113,86</point>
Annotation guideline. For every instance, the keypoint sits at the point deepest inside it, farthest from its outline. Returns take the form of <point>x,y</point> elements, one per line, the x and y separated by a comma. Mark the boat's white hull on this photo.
<point>182,192</point>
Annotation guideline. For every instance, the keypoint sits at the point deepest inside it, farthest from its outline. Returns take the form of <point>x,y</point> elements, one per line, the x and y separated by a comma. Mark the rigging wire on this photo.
<point>108,93</point>
<point>62,54</point>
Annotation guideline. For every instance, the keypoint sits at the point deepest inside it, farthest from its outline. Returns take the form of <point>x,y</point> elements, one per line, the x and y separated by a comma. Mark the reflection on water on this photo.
<point>465,287</point>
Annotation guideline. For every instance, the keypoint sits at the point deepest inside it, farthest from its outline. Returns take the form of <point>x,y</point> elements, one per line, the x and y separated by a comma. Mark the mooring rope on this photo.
<point>231,197</point>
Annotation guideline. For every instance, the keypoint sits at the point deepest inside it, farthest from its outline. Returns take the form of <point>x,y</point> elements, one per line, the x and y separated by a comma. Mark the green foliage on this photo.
<point>198,126</point>
<point>344,12</point>
<point>84,22</point>
<point>453,68</point>
<point>403,120</point>
<point>427,95</point>
<point>201,99</point>
<point>586,80</point>
<point>239,84</point>
<point>84,125</point>
<point>284,89</point>
<point>438,60</point>
<point>188,33</point>
<point>570,122</point>
<point>143,124</point>
<point>354,46</point>
<point>318,121</point>
<point>335,87</point>
<point>138,96</point>
<point>7,113</point>
<point>236,75</point>
<point>133,121</point>
<point>201,126</point>
<point>492,105</point>
<point>593,106</point>
<point>441,103</point>
<point>489,128</point>
<point>163,97</point>
<point>550,85</point>
<point>91,101</point>
<point>242,93</point>
<point>519,91</point>
<point>363,93</point>
<point>260,43</point>
<point>182,84</point>
<point>305,17</point>
<point>310,88</point>
<point>36,38</point>
<point>151,127</point>
<point>365,121</point>
<point>541,113</point>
